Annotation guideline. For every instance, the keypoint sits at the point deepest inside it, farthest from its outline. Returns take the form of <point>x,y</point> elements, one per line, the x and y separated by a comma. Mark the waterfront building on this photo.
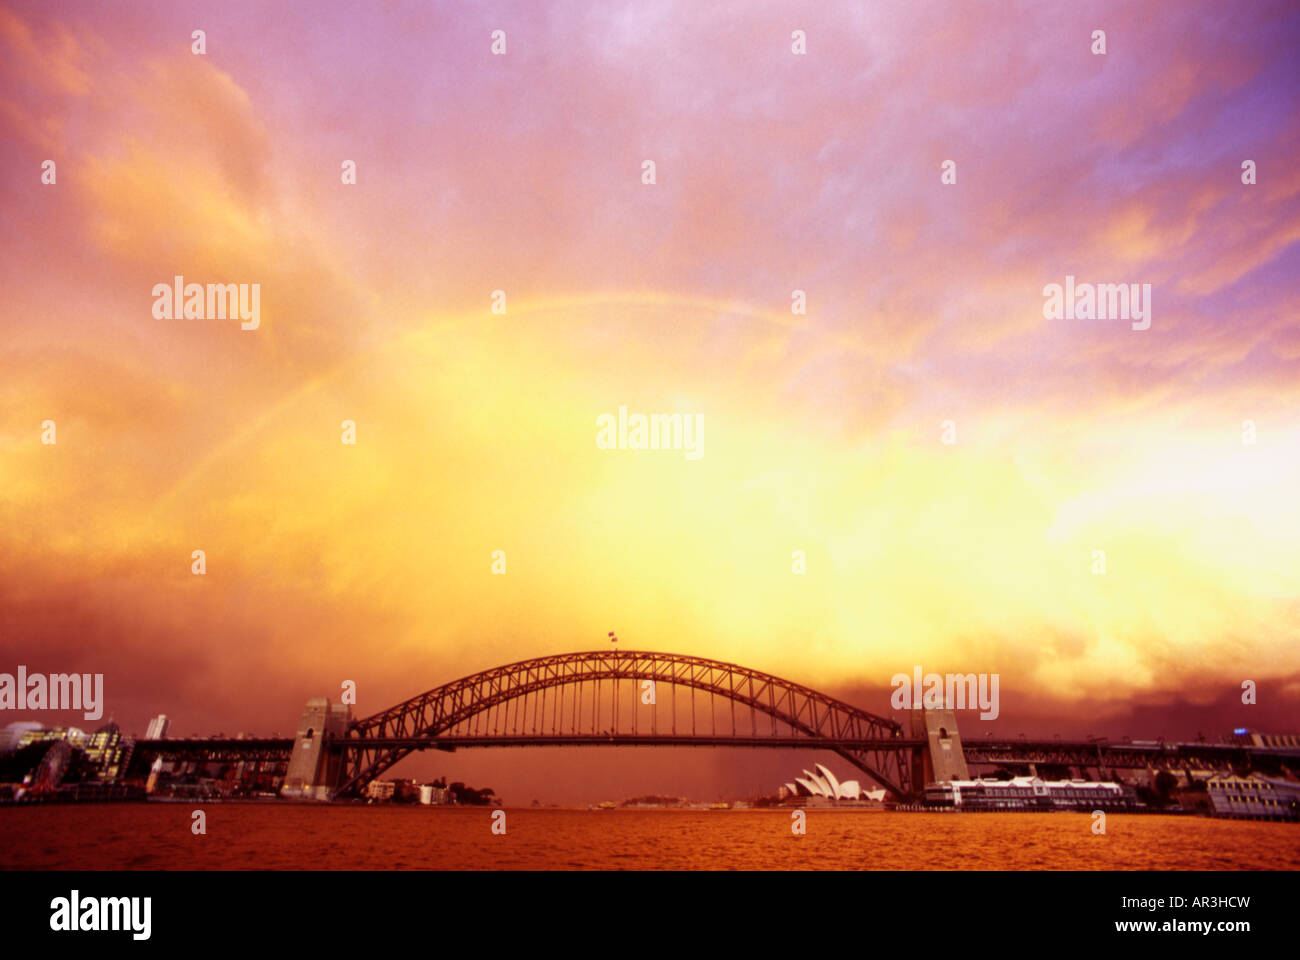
<point>406,791</point>
<point>429,794</point>
<point>1254,798</point>
<point>1029,793</point>
<point>824,784</point>
<point>107,751</point>
<point>73,735</point>
<point>11,737</point>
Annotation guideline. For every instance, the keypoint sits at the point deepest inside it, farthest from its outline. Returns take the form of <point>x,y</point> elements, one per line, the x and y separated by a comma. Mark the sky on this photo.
<point>1174,450</point>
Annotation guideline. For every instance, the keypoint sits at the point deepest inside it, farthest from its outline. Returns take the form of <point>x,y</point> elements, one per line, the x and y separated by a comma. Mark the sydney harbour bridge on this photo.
<point>638,698</point>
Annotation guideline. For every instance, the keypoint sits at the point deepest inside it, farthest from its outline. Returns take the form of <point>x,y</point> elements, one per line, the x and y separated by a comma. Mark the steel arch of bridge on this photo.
<point>872,744</point>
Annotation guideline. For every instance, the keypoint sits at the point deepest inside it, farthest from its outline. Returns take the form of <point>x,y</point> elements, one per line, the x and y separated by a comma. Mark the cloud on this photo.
<point>822,430</point>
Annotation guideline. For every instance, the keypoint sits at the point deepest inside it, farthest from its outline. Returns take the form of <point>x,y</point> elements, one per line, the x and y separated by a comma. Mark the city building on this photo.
<point>1253,738</point>
<point>1254,798</point>
<point>157,727</point>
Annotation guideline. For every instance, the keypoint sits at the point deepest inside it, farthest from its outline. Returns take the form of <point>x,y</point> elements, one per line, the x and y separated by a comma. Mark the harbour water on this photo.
<point>285,836</point>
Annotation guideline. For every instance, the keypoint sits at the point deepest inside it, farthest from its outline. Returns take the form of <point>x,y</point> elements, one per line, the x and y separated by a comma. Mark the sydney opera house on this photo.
<point>824,784</point>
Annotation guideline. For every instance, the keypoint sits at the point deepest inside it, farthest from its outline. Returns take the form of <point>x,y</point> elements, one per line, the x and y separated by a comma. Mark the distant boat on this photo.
<point>720,805</point>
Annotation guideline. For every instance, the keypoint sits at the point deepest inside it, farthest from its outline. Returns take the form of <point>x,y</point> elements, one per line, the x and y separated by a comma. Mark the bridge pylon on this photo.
<point>942,758</point>
<point>315,771</point>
